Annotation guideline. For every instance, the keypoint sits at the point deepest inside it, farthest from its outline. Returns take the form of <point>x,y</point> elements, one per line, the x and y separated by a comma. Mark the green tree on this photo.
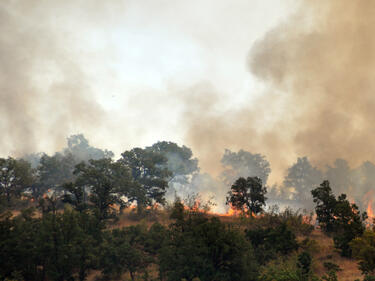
<point>199,247</point>
<point>15,176</point>
<point>76,196</point>
<point>363,249</point>
<point>149,173</point>
<point>325,206</point>
<point>124,251</point>
<point>58,246</point>
<point>270,242</point>
<point>109,184</point>
<point>54,171</point>
<point>339,217</point>
<point>304,264</point>
<point>247,195</point>
<point>349,224</point>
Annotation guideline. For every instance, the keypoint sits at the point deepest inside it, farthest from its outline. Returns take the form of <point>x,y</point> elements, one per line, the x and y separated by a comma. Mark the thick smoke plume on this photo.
<point>319,66</point>
<point>44,94</point>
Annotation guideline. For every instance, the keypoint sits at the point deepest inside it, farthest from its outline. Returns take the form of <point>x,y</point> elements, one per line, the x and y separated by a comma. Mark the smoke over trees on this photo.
<point>244,164</point>
<point>176,172</point>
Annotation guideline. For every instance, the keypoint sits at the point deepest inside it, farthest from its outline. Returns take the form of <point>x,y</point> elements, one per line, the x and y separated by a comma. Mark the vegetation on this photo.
<point>66,219</point>
<point>338,217</point>
<point>247,195</point>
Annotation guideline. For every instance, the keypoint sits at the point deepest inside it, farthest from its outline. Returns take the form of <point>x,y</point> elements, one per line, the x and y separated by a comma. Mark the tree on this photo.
<point>54,171</point>
<point>244,164</point>
<point>349,224</point>
<point>76,196</point>
<point>109,184</point>
<point>57,246</point>
<point>364,251</point>
<point>15,175</point>
<point>247,195</point>
<point>303,264</point>
<point>180,161</point>
<point>57,170</point>
<point>325,206</point>
<point>79,147</point>
<point>149,174</point>
<point>339,217</point>
<point>340,176</point>
<point>198,247</point>
<point>124,251</point>
<point>268,242</point>
<point>302,177</point>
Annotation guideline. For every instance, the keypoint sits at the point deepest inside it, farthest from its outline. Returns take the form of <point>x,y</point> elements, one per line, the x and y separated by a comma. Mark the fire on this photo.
<point>232,212</point>
<point>370,212</point>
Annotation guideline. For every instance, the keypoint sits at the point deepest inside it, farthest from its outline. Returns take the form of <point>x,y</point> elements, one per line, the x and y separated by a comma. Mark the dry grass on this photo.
<point>327,253</point>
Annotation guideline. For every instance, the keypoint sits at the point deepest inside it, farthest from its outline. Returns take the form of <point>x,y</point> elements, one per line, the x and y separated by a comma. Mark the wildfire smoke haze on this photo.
<point>319,66</point>
<point>66,68</point>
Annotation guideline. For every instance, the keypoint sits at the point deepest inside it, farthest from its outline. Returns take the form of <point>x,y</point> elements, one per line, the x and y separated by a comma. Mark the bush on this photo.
<point>364,250</point>
<point>269,242</point>
<point>196,246</point>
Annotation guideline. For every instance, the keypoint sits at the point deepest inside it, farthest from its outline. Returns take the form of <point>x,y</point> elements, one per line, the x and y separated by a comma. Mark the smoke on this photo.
<point>44,93</point>
<point>323,60</point>
<point>319,68</point>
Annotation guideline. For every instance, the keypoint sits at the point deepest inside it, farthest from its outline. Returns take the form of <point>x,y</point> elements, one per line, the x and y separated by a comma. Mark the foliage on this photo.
<point>149,174</point>
<point>270,242</point>
<point>54,171</point>
<point>79,147</point>
<point>302,177</point>
<point>330,276</point>
<point>179,160</point>
<point>364,251</point>
<point>338,216</point>
<point>349,224</point>
<point>325,206</point>
<point>247,195</point>
<point>304,264</point>
<point>280,269</point>
<point>109,183</point>
<point>244,164</point>
<point>340,176</point>
<point>54,247</point>
<point>197,246</point>
<point>124,251</point>
<point>299,223</point>
<point>15,176</point>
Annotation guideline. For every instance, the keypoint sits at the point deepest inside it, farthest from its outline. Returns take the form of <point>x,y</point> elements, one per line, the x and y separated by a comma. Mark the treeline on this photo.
<point>194,246</point>
<point>183,176</point>
<point>70,203</point>
<point>87,176</point>
<point>67,245</point>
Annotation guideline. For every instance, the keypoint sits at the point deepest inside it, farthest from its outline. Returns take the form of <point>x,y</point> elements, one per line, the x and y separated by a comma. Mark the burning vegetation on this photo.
<point>230,211</point>
<point>80,212</point>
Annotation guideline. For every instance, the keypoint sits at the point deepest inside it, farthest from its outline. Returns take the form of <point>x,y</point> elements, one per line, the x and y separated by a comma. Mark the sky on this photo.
<point>282,78</point>
<point>132,62</point>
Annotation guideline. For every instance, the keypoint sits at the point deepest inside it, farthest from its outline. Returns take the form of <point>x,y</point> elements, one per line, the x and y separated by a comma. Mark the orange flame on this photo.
<point>370,212</point>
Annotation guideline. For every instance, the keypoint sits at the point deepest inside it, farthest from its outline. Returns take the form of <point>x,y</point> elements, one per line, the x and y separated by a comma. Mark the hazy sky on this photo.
<point>142,64</point>
<point>120,71</point>
<point>281,78</point>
